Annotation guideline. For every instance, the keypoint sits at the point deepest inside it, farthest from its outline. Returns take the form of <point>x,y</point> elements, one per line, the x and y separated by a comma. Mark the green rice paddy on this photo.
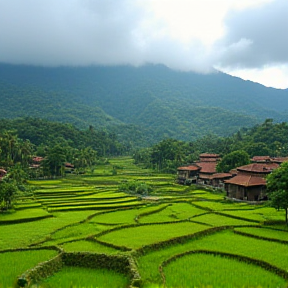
<point>78,277</point>
<point>136,237</point>
<point>88,246</point>
<point>15,263</point>
<point>201,270</point>
<point>88,214</point>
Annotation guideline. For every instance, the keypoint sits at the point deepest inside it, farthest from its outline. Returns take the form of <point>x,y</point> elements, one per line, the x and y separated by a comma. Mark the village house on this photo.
<point>36,162</point>
<point>218,179</point>
<point>187,174</point>
<point>2,173</point>
<point>244,183</point>
<point>69,168</point>
<point>203,172</point>
<point>207,163</point>
<point>249,183</point>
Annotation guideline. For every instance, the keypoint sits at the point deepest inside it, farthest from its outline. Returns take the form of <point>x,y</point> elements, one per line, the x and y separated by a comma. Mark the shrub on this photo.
<point>135,187</point>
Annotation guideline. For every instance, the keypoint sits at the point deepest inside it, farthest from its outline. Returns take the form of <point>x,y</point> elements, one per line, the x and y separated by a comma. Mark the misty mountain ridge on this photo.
<point>153,100</point>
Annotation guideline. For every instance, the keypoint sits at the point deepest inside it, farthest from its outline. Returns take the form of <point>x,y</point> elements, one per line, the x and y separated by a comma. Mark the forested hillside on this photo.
<point>140,105</point>
<point>46,133</point>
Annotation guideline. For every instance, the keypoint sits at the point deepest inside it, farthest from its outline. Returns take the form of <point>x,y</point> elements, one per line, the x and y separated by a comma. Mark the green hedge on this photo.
<point>41,271</point>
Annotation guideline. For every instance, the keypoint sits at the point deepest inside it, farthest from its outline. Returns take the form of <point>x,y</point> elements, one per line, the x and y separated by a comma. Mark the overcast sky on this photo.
<point>245,38</point>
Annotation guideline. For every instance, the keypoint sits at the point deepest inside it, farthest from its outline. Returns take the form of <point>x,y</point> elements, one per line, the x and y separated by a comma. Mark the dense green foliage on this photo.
<point>43,133</point>
<point>58,143</point>
<point>232,160</point>
<point>140,105</point>
<point>135,187</point>
<point>7,195</point>
<point>277,188</point>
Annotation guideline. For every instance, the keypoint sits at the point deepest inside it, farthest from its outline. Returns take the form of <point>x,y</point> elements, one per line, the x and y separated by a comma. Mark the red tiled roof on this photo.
<point>260,158</point>
<point>263,168</point>
<point>207,155</point>
<point>2,173</point>
<point>205,176</point>
<point>37,159</point>
<point>221,175</point>
<point>189,168</point>
<point>207,167</point>
<point>69,165</point>
<point>204,159</point>
<point>214,176</point>
<point>246,180</point>
<point>279,159</point>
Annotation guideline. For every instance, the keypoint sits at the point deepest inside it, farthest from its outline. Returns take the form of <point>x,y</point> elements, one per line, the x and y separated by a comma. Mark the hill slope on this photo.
<point>153,100</point>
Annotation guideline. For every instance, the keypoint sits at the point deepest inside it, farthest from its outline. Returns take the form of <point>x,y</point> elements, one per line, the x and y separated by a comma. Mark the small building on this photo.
<point>69,168</point>
<point>187,174</point>
<point>217,179</point>
<point>36,162</point>
<point>261,159</point>
<point>249,183</point>
<point>207,157</point>
<point>2,173</point>
<point>279,160</point>
<point>207,163</point>
<point>200,172</point>
<point>206,172</point>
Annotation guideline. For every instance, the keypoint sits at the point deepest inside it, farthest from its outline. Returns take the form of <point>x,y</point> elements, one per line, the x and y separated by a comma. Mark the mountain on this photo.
<point>150,103</point>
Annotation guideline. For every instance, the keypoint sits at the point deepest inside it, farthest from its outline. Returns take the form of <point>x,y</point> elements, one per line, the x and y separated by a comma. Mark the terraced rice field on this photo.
<point>179,237</point>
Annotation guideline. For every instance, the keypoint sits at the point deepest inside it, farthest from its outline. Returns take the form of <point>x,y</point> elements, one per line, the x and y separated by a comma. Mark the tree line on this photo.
<point>55,145</point>
<point>266,139</point>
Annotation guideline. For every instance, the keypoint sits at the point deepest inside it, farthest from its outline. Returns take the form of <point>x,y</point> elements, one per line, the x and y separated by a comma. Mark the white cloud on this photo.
<point>193,35</point>
<point>270,76</point>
